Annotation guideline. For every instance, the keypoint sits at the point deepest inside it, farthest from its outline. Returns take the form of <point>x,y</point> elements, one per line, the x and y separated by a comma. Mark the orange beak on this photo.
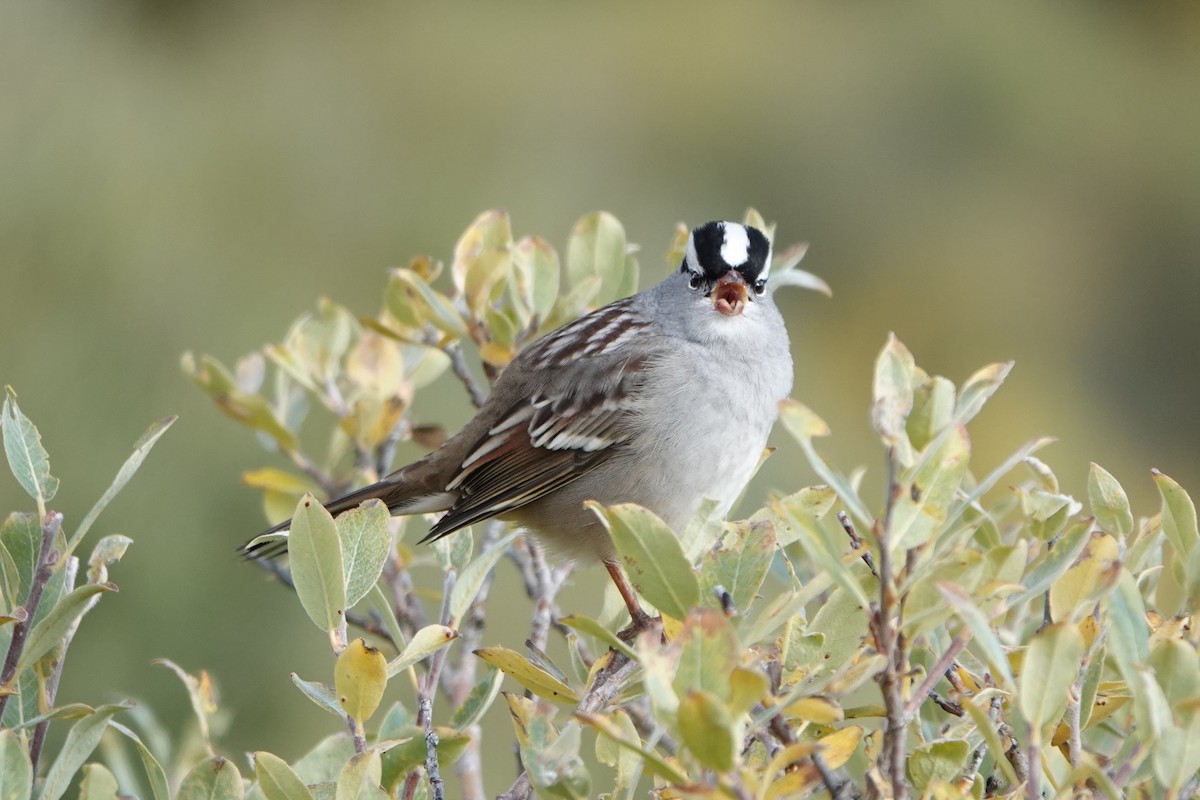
<point>729,296</point>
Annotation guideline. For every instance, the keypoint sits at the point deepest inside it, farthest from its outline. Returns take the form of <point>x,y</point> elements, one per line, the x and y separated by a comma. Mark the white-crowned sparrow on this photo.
<point>662,399</point>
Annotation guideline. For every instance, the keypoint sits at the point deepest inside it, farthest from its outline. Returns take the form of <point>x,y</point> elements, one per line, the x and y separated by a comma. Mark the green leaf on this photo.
<point>597,248</point>
<point>366,543</point>
<point>472,577</point>
<point>107,551</point>
<point>249,409</point>
<point>423,643</point>
<point>97,784</point>
<point>1074,595</point>
<point>978,389</point>
<point>320,693</point>
<point>479,700</point>
<point>594,629</point>
<point>1054,562</point>
<point>928,489</point>
<point>652,557</point>
<point>1128,634</point>
<point>623,760</point>
<point>1178,516</point>
<point>315,552</point>
<point>532,677</point>
<point>1051,665</point>
<point>16,773</point>
<point>1109,503</point>
<point>933,406</point>
<point>842,619</point>
<point>408,289</point>
<point>51,630</point>
<point>893,398</point>
<point>26,457</point>
<point>1176,754</point>
<point>482,259</point>
<point>80,742</point>
<point>213,779</point>
<point>937,761</point>
<point>654,763</point>
<point>804,425</point>
<point>536,275</point>
<point>740,564</point>
<point>1176,670</point>
<point>363,772</point>
<point>154,770</point>
<point>708,653</point>
<point>277,780</point>
<point>411,751</point>
<point>981,630</point>
<point>141,448</point>
<point>707,729</point>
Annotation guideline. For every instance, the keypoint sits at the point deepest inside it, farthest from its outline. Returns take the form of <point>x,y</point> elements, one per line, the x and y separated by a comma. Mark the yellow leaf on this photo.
<point>532,677</point>
<point>360,676</point>
<point>820,710</point>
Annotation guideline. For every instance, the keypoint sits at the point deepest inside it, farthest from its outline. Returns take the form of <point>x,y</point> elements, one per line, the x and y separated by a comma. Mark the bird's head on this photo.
<point>728,263</point>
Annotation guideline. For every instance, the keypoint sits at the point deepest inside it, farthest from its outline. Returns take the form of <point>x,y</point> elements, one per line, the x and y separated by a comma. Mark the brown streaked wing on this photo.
<point>539,446</point>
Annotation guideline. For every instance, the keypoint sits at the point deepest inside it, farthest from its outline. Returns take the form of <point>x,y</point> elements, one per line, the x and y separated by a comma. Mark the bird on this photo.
<point>663,399</point>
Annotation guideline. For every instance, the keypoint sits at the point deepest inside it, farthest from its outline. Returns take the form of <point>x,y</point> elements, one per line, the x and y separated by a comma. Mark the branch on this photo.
<point>891,644</point>
<point>47,558</point>
<point>458,365</point>
<point>857,543</point>
<point>70,569</point>
<point>935,674</point>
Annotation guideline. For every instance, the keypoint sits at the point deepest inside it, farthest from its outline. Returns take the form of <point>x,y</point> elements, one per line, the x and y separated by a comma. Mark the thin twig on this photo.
<point>70,571</point>
<point>458,365</point>
<point>839,788</point>
<point>892,646</point>
<point>47,557</point>
<point>856,542</point>
<point>428,687</point>
<point>522,789</point>
<point>936,673</point>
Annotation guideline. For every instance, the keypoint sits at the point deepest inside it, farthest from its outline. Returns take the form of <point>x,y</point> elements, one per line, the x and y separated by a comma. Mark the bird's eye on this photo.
<point>760,286</point>
<point>695,281</point>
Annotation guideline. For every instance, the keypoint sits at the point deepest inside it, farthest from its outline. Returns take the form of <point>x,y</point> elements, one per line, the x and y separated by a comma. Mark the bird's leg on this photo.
<point>639,619</point>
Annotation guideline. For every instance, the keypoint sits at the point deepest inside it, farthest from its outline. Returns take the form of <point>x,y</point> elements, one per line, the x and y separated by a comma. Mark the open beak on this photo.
<point>729,295</point>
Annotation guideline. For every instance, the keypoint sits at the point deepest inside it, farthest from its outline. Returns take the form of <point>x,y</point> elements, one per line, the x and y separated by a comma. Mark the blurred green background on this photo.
<point>1016,181</point>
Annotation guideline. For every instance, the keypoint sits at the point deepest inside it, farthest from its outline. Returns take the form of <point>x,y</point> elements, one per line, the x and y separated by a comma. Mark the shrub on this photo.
<point>964,639</point>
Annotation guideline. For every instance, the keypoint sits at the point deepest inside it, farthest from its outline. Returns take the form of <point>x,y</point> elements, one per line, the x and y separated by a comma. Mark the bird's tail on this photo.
<point>396,495</point>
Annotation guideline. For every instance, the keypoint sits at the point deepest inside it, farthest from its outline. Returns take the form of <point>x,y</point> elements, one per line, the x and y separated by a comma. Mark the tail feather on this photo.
<point>390,492</point>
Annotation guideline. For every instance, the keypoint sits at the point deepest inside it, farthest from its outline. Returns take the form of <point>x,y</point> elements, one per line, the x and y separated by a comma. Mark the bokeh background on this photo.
<point>1008,181</point>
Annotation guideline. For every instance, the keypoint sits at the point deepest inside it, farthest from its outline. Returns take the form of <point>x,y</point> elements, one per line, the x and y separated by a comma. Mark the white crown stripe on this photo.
<point>735,249</point>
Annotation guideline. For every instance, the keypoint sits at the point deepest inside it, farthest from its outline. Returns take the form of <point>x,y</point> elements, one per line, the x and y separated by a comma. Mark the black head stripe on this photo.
<point>716,247</point>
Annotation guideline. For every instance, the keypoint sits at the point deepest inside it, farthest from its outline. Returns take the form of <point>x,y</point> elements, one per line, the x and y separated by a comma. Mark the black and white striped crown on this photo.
<point>716,247</point>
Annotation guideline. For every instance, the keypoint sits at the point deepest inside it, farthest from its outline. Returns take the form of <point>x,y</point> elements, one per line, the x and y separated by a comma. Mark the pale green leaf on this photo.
<point>707,730</point>
<point>471,579</point>
<point>594,629</point>
<point>361,774</point>
<point>320,693</point>
<point>141,448</point>
<point>27,458</point>
<point>1178,516</point>
<point>97,783</point>
<point>623,760</point>
<point>16,773</point>
<point>47,633</point>
<point>249,409</point>
<point>478,700</point>
<point>1109,503</point>
<point>740,564</point>
<point>652,557</point>
<point>1051,665</point>
<point>80,742</point>
<point>597,248</point>
<point>937,761</point>
<point>423,643</point>
<point>214,779</point>
<point>154,771</point>
<point>933,406</point>
<point>315,552</point>
<point>708,652</point>
<point>800,421</point>
<point>928,489</point>
<point>277,780</point>
<point>366,543</point>
<point>978,389</point>
<point>108,550</point>
<point>1054,562</point>
<point>536,275</point>
<point>893,398</point>
<point>1128,635</point>
<point>1176,755</point>
<point>981,630</point>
